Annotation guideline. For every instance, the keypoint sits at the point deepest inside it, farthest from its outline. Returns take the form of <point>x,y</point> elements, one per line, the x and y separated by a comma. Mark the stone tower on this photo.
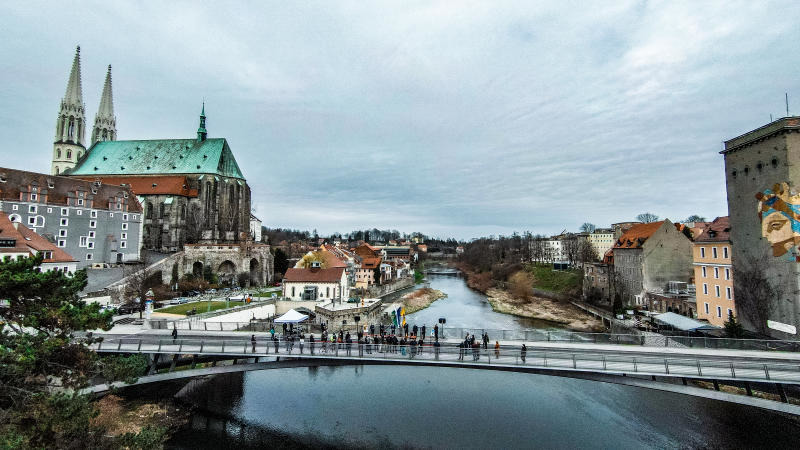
<point>69,145</point>
<point>105,124</point>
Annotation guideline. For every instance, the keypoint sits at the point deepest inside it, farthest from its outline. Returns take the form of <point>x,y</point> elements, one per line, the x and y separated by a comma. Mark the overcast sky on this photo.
<point>452,118</point>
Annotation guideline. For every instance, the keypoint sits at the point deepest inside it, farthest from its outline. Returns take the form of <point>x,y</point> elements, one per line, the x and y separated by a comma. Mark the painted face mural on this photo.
<point>779,211</point>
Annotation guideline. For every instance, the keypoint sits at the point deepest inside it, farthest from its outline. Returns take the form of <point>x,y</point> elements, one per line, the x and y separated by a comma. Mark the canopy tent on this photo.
<point>682,323</point>
<point>292,317</point>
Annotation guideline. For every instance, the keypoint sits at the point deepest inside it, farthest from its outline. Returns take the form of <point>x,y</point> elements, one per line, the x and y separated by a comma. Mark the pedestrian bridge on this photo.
<point>612,363</point>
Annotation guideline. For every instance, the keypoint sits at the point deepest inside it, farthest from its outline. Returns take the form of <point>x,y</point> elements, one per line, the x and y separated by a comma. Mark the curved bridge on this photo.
<point>631,365</point>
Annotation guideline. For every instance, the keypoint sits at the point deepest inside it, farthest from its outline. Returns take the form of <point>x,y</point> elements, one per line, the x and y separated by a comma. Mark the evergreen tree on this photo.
<point>733,329</point>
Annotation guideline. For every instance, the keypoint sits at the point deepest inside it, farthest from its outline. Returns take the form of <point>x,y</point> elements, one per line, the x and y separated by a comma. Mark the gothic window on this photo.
<point>183,212</point>
<point>71,129</point>
<point>149,208</point>
<point>69,154</point>
<point>58,153</point>
<point>105,135</point>
<point>161,210</point>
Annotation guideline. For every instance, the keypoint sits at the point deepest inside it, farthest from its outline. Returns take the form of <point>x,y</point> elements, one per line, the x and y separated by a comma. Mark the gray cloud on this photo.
<point>457,119</point>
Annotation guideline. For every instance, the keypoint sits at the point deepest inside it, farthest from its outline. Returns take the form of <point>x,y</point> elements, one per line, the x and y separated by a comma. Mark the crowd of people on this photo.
<point>409,342</point>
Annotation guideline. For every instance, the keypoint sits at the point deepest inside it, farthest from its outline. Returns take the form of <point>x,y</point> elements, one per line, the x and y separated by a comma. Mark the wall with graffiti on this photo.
<point>779,212</point>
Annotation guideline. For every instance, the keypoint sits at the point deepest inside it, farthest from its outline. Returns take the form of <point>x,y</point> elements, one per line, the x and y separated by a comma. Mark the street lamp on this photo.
<point>442,321</point>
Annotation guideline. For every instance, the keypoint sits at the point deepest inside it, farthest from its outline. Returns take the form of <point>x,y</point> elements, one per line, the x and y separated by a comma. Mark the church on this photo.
<point>192,190</point>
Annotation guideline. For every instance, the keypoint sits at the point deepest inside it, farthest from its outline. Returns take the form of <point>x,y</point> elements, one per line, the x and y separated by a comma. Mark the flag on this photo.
<point>394,318</point>
<point>403,311</point>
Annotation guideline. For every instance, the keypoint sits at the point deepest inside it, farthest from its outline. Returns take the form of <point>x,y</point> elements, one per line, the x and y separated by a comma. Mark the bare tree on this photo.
<point>647,217</point>
<point>754,292</point>
<point>194,224</point>
<point>139,278</point>
<point>695,218</point>
<point>588,227</point>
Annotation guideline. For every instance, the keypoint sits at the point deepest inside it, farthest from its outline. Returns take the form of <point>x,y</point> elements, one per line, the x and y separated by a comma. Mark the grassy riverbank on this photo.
<point>199,307</point>
<point>421,299</point>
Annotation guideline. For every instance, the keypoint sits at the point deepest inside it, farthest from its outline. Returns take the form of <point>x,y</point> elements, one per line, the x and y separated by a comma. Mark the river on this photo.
<point>385,406</point>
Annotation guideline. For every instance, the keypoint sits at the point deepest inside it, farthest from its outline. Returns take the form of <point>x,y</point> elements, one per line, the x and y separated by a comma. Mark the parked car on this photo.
<point>128,308</point>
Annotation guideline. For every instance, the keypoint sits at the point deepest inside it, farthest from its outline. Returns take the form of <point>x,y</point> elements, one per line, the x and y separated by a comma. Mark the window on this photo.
<point>714,252</point>
<point>719,311</point>
<point>123,244</point>
<point>80,202</point>
<point>64,211</point>
<point>716,290</point>
<point>124,226</point>
<point>14,207</point>
<point>88,256</point>
<point>90,244</point>
<point>82,241</point>
<point>706,305</point>
<point>62,233</point>
<point>123,236</point>
<point>49,210</point>
<point>727,274</point>
<point>725,252</point>
<point>730,313</point>
<point>62,243</point>
<point>124,217</point>
<point>327,292</point>
<point>705,288</point>
<point>111,215</point>
<point>716,272</point>
<point>702,252</point>
<point>34,197</point>
<point>704,271</point>
<point>64,222</point>
<point>133,217</point>
<point>91,234</point>
<point>66,269</point>
<point>32,209</point>
<point>31,220</point>
<point>728,293</point>
<point>292,291</point>
<point>93,214</point>
<point>92,224</point>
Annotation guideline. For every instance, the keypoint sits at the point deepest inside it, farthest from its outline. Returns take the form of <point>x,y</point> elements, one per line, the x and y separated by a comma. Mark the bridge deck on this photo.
<point>688,363</point>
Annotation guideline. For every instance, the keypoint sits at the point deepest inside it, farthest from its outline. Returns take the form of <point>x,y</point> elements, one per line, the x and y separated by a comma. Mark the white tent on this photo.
<point>292,317</point>
<point>238,298</point>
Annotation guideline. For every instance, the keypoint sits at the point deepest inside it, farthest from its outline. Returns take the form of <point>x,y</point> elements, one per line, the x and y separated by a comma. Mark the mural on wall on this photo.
<point>779,212</point>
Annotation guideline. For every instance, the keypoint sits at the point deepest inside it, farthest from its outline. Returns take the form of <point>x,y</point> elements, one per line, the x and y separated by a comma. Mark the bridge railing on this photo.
<point>737,368</point>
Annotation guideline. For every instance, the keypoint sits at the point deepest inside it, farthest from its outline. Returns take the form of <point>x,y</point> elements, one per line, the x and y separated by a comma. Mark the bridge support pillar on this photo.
<point>748,388</point>
<point>781,392</point>
<point>174,361</point>
<point>684,381</point>
<point>152,364</point>
<point>716,385</point>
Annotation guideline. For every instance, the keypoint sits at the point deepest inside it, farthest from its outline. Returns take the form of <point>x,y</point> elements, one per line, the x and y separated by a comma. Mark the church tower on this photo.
<point>105,124</point>
<point>71,125</point>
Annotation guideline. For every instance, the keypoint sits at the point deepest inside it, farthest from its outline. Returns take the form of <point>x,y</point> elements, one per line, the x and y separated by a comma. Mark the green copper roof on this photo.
<point>160,157</point>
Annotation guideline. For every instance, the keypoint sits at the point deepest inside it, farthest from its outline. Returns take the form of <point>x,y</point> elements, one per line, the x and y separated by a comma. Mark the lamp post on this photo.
<point>442,321</point>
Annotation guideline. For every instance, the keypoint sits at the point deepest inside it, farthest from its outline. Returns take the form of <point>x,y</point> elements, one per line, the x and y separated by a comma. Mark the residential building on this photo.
<point>255,228</point>
<point>315,283</point>
<point>602,239</point>
<point>621,227</point>
<point>679,298</point>
<point>18,241</point>
<point>396,253</point>
<point>647,257</point>
<point>96,223</point>
<point>762,174</point>
<point>596,282</point>
<point>713,271</point>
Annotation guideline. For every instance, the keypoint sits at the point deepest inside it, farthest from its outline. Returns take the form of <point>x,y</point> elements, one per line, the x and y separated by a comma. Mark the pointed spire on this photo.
<point>74,94</point>
<point>106,108</point>
<point>201,132</point>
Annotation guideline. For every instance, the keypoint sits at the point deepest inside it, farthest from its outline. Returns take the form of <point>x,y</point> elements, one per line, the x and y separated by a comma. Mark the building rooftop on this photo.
<point>717,231</point>
<point>764,132</point>
<point>56,190</point>
<point>636,235</point>
<point>314,275</point>
<point>17,238</point>
<point>159,157</point>
<point>151,185</point>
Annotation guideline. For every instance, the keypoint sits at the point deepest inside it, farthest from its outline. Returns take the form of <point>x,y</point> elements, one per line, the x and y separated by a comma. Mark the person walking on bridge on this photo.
<point>436,333</point>
<point>348,341</point>
<point>275,342</point>
<point>522,353</point>
<point>414,329</point>
<point>174,333</point>
<point>272,330</point>
<point>253,342</point>
<point>496,349</point>
<point>486,340</point>
<point>311,343</point>
<point>423,331</point>
<point>302,341</point>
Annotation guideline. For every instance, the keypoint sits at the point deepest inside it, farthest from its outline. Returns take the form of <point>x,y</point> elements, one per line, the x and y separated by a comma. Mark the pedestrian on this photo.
<point>333,342</point>
<point>348,343</point>
<point>460,351</point>
<point>302,341</point>
<point>368,342</point>
<point>275,342</point>
<point>436,333</point>
<point>393,329</point>
<point>403,346</point>
<point>522,353</point>
<point>496,349</point>
<point>311,342</point>
<point>174,333</point>
<point>360,343</point>
<point>423,331</point>
<point>486,341</point>
<point>405,329</point>
<point>288,341</point>
<point>436,346</point>
<point>372,329</point>
<point>253,342</point>
<point>284,329</point>
<point>413,347</point>
<point>476,350</point>
<point>421,343</point>
<point>415,329</point>
<point>272,330</point>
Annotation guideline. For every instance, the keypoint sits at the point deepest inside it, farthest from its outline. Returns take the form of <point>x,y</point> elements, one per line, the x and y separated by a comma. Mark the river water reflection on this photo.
<point>386,406</point>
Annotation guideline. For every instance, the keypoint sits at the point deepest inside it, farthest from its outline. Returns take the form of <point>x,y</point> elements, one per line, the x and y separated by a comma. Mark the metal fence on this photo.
<point>735,368</point>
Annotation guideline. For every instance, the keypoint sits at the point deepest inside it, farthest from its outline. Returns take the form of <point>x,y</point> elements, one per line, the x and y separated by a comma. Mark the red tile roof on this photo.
<point>637,235</point>
<point>331,275</point>
<point>370,263</point>
<point>27,241</point>
<point>717,231</point>
<point>153,185</point>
